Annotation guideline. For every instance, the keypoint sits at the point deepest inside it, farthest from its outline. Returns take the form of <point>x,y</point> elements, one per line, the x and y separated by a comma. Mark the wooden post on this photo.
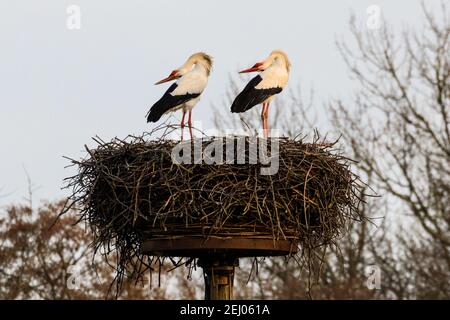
<point>218,273</point>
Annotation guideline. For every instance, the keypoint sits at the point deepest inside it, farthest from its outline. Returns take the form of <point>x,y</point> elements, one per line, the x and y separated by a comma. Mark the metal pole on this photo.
<point>218,272</point>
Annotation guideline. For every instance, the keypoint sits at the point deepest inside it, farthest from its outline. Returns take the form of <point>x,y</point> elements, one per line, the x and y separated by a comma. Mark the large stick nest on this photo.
<point>131,190</point>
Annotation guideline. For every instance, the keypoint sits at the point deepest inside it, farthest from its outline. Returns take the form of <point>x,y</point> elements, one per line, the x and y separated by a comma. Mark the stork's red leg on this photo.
<point>263,114</point>
<point>190,123</point>
<point>266,132</point>
<point>182,124</point>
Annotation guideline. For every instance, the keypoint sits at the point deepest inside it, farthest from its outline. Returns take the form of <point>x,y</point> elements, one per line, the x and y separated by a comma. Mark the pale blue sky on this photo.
<point>61,87</point>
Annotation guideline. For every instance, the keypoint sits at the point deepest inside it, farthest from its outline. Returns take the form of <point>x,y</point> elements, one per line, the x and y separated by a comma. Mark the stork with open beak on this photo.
<point>273,77</point>
<point>192,78</point>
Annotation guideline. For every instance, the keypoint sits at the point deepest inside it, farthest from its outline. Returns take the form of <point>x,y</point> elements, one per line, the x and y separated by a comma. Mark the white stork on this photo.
<point>273,77</point>
<point>185,93</point>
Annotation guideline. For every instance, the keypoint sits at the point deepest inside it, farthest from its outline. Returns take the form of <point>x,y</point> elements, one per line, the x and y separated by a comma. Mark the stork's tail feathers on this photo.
<point>238,106</point>
<point>152,116</point>
<point>156,112</point>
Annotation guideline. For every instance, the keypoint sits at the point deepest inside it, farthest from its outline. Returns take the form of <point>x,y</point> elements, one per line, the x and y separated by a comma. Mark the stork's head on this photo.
<point>199,58</point>
<point>277,56</point>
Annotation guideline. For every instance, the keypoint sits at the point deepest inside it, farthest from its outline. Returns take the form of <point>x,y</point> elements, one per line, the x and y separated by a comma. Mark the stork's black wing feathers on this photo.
<point>168,102</point>
<point>250,97</point>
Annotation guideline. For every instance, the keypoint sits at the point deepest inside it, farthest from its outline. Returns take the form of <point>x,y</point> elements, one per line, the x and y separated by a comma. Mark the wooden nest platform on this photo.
<point>140,201</point>
<point>237,247</point>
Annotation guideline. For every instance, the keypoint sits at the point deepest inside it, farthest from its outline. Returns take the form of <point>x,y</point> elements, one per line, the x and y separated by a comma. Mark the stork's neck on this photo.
<point>201,66</point>
<point>277,66</point>
<point>196,66</point>
<point>280,63</point>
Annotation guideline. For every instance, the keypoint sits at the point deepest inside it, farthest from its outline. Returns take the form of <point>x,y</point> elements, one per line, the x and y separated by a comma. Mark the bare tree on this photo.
<point>398,127</point>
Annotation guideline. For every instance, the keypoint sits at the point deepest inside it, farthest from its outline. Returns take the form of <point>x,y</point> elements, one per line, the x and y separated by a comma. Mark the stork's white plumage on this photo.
<point>185,93</point>
<point>273,78</point>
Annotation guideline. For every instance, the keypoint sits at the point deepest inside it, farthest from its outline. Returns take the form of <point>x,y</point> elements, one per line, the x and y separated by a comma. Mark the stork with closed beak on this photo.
<point>185,93</point>
<point>273,77</point>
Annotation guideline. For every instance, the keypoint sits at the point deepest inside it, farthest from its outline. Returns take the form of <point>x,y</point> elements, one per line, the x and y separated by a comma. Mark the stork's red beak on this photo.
<point>254,68</point>
<point>173,75</point>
